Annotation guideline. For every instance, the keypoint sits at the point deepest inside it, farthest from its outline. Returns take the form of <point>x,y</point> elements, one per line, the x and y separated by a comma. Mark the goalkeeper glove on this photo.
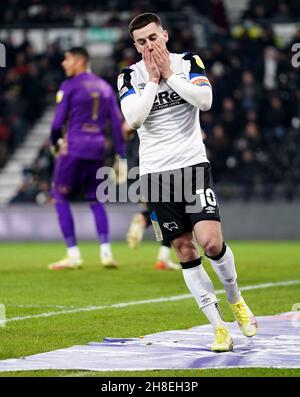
<point>55,149</point>
<point>120,169</point>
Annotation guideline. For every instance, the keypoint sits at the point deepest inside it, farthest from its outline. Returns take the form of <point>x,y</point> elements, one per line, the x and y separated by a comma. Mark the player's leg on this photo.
<point>62,187</point>
<point>139,223</point>
<point>202,289</point>
<point>164,260</point>
<point>99,213</point>
<point>172,224</point>
<point>220,255</point>
<point>209,235</point>
<point>208,232</point>
<point>137,227</point>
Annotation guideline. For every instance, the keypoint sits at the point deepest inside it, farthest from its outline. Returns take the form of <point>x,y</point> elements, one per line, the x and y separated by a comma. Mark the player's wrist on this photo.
<point>168,74</point>
<point>154,80</point>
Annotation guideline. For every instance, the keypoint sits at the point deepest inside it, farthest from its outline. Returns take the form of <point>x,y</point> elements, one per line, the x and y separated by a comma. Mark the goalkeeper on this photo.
<point>85,103</point>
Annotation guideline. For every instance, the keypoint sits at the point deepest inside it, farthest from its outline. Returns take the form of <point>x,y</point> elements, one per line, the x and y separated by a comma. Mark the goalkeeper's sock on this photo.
<point>73,252</point>
<point>224,266</point>
<point>105,251</point>
<point>66,223</point>
<point>202,289</point>
<point>101,222</point>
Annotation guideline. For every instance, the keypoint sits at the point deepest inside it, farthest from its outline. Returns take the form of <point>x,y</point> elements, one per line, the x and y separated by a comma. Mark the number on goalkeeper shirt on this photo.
<point>95,105</point>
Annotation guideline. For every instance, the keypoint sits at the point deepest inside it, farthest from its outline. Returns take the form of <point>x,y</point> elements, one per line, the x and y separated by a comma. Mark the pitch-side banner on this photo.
<point>277,345</point>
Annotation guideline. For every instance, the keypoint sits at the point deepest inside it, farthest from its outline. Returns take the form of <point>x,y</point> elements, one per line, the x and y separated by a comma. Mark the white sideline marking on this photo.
<point>40,306</point>
<point>142,302</point>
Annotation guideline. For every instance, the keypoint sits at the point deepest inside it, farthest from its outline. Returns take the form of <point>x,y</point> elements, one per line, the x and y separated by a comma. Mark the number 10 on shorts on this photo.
<point>207,197</point>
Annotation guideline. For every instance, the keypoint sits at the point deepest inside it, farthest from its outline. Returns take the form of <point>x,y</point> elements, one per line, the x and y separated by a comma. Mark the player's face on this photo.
<point>148,35</point>
<point>70,64</point>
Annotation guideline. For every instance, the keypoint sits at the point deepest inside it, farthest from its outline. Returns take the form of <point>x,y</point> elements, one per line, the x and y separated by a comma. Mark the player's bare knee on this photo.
<point>212,247</point>
<point>185,249</point>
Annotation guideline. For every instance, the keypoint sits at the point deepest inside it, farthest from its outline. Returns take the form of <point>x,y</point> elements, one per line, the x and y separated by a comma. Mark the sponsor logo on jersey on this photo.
<point>166,99</point>
<point>170,226</point>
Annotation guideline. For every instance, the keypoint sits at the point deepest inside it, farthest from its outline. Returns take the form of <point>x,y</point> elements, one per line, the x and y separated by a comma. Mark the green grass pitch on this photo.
<point>27,287</point>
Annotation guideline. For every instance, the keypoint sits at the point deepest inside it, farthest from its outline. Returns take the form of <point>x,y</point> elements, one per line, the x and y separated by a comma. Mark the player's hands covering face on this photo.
<point>162,59</point>
<point>152,69</point>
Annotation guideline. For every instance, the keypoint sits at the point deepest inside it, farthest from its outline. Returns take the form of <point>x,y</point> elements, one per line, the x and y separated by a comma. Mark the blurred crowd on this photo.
<point>81,12</point>
<point>252,131</point>
<point>27,85</point>
<point>277,10</point>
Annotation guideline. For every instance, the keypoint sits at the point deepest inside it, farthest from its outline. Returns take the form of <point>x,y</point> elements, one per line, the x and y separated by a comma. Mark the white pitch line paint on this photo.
<point>41,306</point>
<point>142,302</point>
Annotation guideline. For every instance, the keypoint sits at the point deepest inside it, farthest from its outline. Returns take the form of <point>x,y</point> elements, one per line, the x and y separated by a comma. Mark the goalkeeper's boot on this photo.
<point>223,340</point>
<point>66,263</point>
<point>167,265</point>
<point>109,262</point>
<point>136,231</point>
<point>244,317</point>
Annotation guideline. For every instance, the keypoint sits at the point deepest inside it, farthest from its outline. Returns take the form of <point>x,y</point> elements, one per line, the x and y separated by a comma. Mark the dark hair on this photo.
<point>80,51</point>
<point>143,20</point>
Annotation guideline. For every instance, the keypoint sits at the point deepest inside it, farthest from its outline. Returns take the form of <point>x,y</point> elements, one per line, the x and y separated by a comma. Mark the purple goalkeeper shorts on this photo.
<point>73,174</point>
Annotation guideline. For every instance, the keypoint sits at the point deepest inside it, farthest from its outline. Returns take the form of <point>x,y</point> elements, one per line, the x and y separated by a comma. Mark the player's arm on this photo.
<point>116,123</point>
<point>120,163</point>
<point>197,90</point>
<point>127,131</point>
<point>137,106</point>
<point>61,114</point>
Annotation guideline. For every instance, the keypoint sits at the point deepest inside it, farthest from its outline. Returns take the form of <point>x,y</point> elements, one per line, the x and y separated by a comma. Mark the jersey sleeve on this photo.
<point>116,123</point>
<point>196,89</point>
<point>197,74</point>
<point>125,85</point>
<point>61,112</point>
<point>135,105</point>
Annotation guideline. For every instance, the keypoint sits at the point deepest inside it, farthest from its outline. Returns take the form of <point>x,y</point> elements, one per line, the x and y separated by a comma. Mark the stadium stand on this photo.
<point>252,130</point>
<point>28,84</point>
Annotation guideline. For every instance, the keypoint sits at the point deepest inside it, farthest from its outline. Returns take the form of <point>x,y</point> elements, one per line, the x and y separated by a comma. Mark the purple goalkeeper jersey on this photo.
<point>85,103</point>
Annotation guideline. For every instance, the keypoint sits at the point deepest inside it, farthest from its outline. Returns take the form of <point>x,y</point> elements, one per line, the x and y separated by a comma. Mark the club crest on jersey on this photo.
<point>142,85</point>
<point>170,226</point>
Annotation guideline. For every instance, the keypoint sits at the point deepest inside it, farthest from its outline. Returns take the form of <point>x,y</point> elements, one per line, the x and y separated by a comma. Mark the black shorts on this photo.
<point>178,199</point>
